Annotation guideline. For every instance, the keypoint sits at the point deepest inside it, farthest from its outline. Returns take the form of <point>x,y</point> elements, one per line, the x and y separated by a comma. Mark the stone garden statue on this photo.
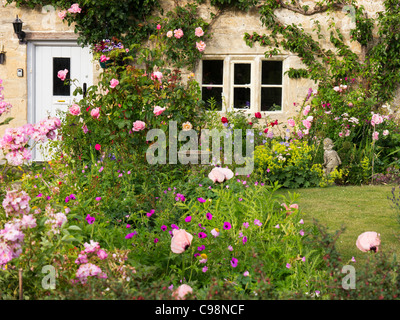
<point>331,158</point>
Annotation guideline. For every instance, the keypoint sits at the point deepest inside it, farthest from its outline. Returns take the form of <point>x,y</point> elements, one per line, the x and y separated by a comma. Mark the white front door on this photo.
<point>48,93</point>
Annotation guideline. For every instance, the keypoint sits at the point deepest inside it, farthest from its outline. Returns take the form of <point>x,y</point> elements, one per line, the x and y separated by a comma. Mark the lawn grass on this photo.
<point>359,209</point>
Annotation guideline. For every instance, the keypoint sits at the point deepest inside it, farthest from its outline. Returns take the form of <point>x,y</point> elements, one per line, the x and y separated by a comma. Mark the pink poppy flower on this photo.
<point>181,240</point>
<point>138,125</point>
<point>113,83</point>
<point>182,291</point>
<point>62,74</point>
<point>220,174</point>
<point>368,241</point>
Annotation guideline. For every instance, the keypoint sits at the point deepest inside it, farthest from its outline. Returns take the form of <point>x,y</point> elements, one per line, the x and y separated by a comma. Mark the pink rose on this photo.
<point>62,74</point>
<point>291,122</point>
<point>180,241</point>
<point>307,124</point>
<point>138,125</point>
<point>75,110</point>
<point>103,58</point>
<point>306,110</point>
<point>178,33</point>
<point>62,14</point>
<point>199,32</point>
<point>376,119</point>
<point>158,110</point>
<point>114,83</point>
<point>182,291</point>
<point>156,75</point>
<point>201,46</point>
<point>169,34</point>
<point>74,8</point>
<point>368,241</point>
<point>95,113</point>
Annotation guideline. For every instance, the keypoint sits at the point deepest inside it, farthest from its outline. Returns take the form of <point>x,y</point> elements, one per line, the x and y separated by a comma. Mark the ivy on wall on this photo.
<point>102,19</point>
<point>377,68</point>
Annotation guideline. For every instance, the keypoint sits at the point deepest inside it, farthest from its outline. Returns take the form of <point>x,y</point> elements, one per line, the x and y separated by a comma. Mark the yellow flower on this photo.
<point>203,256</point>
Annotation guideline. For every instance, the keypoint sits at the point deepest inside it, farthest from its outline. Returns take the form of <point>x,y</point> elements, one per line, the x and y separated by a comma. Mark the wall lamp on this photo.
<point>2,54</point>
<point>17,24</point>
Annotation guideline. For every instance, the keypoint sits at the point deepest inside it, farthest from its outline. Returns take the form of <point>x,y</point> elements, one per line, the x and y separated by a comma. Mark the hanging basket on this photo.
<point>105,64</point>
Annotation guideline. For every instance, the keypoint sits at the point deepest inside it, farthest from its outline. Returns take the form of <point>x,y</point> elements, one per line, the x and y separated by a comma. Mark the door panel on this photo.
<point>49,95</point>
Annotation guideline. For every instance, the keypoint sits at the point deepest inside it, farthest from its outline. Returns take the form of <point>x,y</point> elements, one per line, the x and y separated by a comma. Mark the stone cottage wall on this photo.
<point>228,30</point>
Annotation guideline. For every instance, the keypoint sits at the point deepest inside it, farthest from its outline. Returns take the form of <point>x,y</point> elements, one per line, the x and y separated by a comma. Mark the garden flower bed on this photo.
<point>108,217</point>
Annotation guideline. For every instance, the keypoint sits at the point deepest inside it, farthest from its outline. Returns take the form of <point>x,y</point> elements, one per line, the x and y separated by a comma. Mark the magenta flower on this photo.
<point>257,222</point>
<point>163,227</point>
<point>188,219</point>
<point>98,198</point>
<point>202,235</point>
<point>128,225</point>
<point>205,268</point>
<point>245,224</point>
<point>244,239</point>
<point>130,235</point>
<point>201,200</point>
<point>209,216</point>
<point>288,265</point>
<point>149,214</point>
<point>155,240</point>
<point>67,199</point>
<point>234,262</point>
<point>174,226</point>
<point>301,232</point>
<point>227,225</point>
<point>201,248</point>
<point>90,219</point>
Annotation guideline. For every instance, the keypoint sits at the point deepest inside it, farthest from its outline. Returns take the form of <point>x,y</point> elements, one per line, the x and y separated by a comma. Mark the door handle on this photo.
<point>84,89</point>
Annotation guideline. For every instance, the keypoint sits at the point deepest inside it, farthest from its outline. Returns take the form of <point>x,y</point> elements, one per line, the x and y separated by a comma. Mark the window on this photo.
<point>59,88</point>
<point>242,83</point>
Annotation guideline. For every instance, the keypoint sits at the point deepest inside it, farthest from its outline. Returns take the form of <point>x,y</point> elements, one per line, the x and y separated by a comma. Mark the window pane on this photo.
<point>216,93</point>
<point>269,97</point>
<point>213,71</point>
<point>59,88</point>
<point>271,72</point>
<point>242,73</point>
<point>241,98</point>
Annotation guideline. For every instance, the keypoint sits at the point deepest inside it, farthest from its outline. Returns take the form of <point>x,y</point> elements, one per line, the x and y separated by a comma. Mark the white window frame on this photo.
<point>255,83</point>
